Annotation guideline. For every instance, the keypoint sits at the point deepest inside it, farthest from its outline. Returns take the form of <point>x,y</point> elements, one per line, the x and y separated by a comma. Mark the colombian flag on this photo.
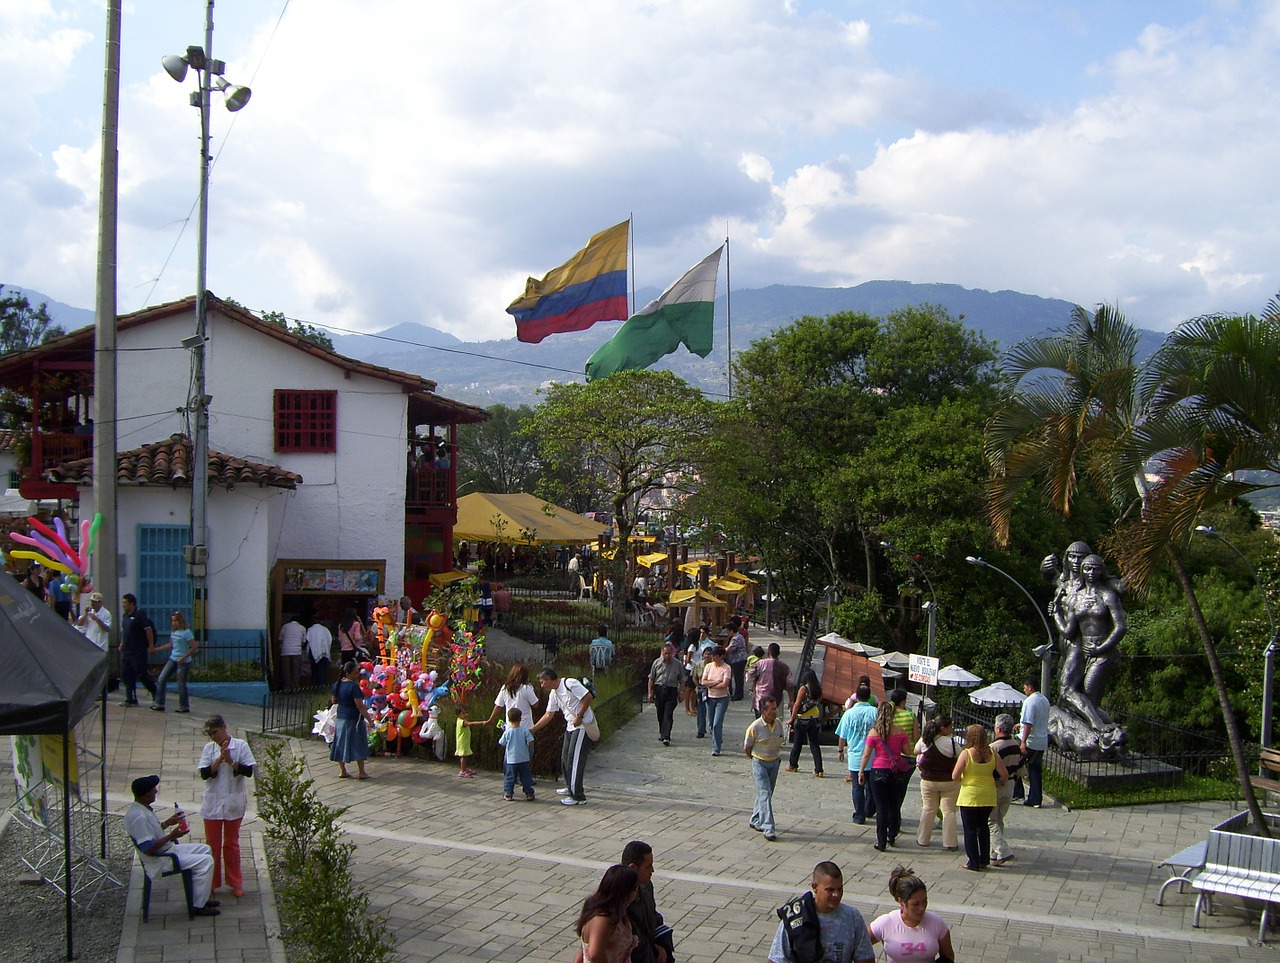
<point>591,286</point>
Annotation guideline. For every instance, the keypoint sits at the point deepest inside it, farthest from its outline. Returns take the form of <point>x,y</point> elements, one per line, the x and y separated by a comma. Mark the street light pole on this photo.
<point>196,554</point>
<point>1269,653</point>
<point>1045,652</point>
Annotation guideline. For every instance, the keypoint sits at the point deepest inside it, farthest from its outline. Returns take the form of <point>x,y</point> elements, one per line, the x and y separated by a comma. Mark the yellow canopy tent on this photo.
<point>741,577</point>
<point>521,519</point>
<point>441,579</point>
<point>727,585</point>
<point>692,568</point>
<point>649,561</point>
<point>699,597</point>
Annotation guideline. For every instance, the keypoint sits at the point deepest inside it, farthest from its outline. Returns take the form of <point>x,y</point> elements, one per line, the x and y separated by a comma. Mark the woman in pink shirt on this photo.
<point>885,743</point>
<point>716,678</point>
<point>911,934</point>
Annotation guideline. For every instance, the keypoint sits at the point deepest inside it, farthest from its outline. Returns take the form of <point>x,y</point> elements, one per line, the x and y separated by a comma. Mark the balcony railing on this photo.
<point>429,486</point>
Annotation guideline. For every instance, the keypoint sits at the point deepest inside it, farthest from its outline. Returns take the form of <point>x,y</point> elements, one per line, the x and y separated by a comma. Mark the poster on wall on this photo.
<point>363,580</point>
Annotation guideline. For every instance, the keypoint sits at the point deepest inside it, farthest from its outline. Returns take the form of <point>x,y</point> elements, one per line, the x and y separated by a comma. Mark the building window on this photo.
<point>306,420</point>
<point>163,583</point>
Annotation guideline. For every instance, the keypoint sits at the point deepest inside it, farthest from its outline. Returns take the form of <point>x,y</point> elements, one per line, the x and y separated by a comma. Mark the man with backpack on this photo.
<point>572,699</point>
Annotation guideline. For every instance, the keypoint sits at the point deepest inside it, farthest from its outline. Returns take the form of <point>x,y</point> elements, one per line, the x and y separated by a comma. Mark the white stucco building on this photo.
<point>315,466</point>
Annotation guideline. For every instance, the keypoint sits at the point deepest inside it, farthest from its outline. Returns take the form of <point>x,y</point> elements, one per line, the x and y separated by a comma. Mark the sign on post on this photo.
<point>924,669</point>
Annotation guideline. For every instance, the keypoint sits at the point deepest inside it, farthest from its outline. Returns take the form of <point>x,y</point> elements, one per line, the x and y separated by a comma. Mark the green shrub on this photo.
<point>324,916</point>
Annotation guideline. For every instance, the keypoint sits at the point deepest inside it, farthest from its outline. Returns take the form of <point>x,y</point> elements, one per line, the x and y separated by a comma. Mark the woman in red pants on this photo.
<point>226,765</point>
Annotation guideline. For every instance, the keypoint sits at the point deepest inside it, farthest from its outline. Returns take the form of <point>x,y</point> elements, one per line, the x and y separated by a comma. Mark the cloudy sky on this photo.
<point>415,160</point>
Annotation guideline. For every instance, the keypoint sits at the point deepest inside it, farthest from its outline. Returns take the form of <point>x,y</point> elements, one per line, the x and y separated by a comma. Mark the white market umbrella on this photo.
<point>868,650</point>
<point>957,676</point>
<point>837,638</point>
<point>999,694</point>
<point>893,660</point>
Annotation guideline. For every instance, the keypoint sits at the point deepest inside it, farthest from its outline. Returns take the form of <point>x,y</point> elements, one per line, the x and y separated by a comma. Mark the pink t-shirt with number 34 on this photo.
<point>907,944</point>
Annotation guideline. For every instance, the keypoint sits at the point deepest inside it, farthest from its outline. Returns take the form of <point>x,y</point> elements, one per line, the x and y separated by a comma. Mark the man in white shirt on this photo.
<point>148,832</point>
<point>292,635</point>
<point>573,700</point>
<point>319,643</point>
<point>95,622</point>
<point>1035,736</point>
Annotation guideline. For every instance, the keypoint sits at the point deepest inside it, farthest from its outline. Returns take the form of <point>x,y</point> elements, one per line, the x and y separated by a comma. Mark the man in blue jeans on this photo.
<point>1035,736</point>
<point>763,746</point>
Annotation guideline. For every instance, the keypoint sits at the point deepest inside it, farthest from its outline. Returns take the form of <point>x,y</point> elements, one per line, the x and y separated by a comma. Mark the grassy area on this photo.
<point>1190,789</point>
<point>226,670</point>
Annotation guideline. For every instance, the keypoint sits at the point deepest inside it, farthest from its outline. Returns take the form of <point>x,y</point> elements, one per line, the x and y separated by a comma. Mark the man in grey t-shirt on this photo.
<point>844,936</point>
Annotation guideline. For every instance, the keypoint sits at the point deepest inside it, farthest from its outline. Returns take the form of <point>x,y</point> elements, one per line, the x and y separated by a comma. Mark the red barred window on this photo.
<point>306,420</point>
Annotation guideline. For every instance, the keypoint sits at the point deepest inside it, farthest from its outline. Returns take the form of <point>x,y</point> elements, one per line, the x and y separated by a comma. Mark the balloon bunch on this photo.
<point>55,551</point>
<point>403,702</point>
<point>465,663</point>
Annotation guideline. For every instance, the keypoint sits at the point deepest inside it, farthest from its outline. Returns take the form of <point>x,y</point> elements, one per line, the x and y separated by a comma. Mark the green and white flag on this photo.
<point>682,315</point>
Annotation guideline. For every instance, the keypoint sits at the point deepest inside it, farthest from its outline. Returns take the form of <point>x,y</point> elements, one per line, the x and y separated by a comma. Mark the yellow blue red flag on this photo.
<point>591,286</point>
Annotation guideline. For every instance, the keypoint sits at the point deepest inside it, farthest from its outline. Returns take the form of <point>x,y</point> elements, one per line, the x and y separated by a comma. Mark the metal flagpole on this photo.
<point>728,316</point>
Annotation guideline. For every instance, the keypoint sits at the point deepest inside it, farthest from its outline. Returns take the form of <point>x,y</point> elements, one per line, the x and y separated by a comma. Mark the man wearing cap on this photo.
<point>1008,748</point>
<point>137,641</point>
<point>95,622</point>
<point>149,833</point>
<point>665,676</point>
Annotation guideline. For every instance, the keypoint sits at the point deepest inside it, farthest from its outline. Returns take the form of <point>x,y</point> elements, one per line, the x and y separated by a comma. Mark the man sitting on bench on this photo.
<point>148,833</point>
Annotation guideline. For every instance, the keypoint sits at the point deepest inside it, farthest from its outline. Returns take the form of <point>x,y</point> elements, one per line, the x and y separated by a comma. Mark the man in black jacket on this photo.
<point>646,921</point>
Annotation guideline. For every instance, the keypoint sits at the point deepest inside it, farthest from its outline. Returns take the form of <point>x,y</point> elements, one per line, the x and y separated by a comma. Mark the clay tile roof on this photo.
<point>7,437</point>
<point>169,463</point>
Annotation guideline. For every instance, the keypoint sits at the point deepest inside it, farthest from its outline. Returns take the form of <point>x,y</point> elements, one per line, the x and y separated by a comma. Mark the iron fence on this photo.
<point>1161,761</point>
<point>293,710</point>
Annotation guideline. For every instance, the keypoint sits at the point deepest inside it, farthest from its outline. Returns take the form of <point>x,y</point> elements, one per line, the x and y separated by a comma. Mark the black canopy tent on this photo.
<point>50,676</point>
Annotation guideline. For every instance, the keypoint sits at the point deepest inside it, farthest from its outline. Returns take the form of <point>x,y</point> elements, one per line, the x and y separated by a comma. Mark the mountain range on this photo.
<point>511,372</point>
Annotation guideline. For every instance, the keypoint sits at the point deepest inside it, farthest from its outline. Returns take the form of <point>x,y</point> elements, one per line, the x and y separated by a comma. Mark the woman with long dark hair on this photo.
<point>516,693</point>
<point>938,750</point>
<point>602,926</point>
<point>350,635</point>
<point>806,721</point>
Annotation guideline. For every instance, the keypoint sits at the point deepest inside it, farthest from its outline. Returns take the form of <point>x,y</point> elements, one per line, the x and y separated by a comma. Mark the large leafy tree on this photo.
<point>636,432</point>
<point>497,457</point>
<point>1079,407</point>
<point>842,429</point>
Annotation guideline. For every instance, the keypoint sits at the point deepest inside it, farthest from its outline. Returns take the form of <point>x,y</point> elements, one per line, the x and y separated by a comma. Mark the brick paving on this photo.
<point>464,875</point>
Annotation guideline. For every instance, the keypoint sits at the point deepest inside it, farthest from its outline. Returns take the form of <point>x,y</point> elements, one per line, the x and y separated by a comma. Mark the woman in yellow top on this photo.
<point>978,769</point>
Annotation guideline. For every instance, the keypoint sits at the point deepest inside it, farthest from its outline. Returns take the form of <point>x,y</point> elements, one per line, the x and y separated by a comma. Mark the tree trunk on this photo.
<point>1224,699</point>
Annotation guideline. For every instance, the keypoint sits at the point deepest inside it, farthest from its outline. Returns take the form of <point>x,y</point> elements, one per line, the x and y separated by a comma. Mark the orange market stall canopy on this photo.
<point>521,519</point>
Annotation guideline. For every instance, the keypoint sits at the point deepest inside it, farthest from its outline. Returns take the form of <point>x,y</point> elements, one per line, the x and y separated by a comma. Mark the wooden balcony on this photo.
<point>50,448</point>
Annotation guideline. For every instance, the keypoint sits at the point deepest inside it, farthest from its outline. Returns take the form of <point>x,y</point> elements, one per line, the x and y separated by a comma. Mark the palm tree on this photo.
<point>1201,409</point>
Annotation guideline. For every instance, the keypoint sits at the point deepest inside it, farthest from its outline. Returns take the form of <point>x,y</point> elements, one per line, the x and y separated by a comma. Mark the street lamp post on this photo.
<point>1045,652</point>
<point>1269,653</point>
<point>209,77</point>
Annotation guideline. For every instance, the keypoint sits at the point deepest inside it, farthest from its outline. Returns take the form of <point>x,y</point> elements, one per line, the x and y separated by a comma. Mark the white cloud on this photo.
<point>417,161</point>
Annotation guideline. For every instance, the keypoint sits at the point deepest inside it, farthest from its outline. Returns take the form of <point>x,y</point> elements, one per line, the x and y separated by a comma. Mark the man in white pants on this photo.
<point>146,829</point>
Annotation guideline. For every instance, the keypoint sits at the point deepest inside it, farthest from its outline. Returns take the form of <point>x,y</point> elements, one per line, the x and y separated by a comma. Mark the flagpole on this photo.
<point>728,316</point>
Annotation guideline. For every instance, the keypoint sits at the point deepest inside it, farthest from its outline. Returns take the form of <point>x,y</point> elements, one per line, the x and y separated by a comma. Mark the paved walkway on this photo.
<point>464,875</point>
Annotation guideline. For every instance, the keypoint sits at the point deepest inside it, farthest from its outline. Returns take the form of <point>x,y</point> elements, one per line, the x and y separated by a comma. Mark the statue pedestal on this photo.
<point>1130,769</point>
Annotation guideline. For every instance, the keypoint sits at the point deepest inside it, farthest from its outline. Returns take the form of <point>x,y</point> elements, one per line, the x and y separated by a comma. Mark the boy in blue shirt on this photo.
<point>517,746</point>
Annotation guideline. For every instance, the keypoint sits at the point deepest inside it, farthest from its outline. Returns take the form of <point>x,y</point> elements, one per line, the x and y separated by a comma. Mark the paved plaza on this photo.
<point>464,875</point>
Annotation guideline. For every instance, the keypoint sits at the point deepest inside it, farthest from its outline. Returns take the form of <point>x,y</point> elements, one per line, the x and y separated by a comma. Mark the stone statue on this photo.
<point>1090,618</point>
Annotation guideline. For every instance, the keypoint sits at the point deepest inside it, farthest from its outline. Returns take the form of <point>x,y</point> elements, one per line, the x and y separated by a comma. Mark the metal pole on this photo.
<point>104,365</point>
<point>1045,651</point>
<point>1269,653</point>
<point>199,401</point>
